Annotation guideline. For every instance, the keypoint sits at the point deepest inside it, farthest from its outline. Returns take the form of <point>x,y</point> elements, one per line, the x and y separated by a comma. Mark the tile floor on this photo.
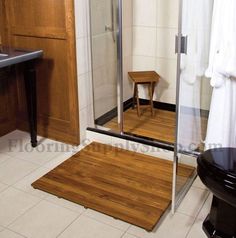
<point>25,212</point>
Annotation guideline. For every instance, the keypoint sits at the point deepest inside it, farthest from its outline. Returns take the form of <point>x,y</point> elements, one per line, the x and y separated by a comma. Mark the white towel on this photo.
<point>221,130</point>
<point>222,61</point>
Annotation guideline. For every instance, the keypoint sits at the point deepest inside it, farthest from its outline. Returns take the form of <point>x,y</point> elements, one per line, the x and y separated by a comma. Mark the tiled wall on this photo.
<point>104,56</point>
<point>149,33</point>
<point>127,47</point>
<point>85,86</point>
<point>84,66</point>
<point>155,24</point>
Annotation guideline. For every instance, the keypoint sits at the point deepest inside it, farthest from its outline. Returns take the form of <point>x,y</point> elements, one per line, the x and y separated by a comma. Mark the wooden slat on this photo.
<point>126,185</point>
<point>160,127</point>
<point>40,32</point>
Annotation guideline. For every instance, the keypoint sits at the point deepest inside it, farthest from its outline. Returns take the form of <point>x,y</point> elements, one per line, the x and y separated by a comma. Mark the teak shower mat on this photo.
<point>133,187</point>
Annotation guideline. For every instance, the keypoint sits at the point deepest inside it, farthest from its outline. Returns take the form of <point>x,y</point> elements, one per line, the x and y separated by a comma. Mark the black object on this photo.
<point>217,170</point>
<point>31,98</point>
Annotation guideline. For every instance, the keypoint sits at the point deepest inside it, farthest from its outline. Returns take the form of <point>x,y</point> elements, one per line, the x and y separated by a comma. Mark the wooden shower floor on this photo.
<point>126,185</point>
<point>160,127</point>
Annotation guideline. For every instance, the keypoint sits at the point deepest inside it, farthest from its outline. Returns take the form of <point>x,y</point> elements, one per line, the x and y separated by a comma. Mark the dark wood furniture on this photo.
<point>9,57</point>
<point>149,78</point>
<point>47,25</point>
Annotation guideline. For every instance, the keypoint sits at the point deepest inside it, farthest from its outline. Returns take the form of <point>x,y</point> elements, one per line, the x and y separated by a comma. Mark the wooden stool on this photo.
<point>151,78</point>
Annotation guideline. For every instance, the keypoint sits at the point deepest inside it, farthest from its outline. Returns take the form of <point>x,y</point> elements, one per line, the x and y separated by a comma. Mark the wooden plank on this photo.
<point>48,25</point>
<point>160,127</point>
<point>129,186</point>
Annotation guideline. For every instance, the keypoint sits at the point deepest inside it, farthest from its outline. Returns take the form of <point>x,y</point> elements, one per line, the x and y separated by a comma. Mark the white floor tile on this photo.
<point>13,203</point>
<point>205,209</point>
<point>25,183</point>
<point>93,136</point>
<point>4,157</point>
<point>198,183</point>
<point>85,227</point>
<point>64,203</point>
<point>12,170</point>
<point>176,226</point>
<point>107,219</point>
<point>45,220</point>
<point>9,234</point>
<point>129,236</point>
<point>196,231</point>
<point>17,144</point>
<point>2,187</point>
<point>193,201</point>
<point>58,160</point>
<point>14,141</point>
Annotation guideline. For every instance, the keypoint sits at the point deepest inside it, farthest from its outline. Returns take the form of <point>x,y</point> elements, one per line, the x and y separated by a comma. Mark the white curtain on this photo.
<point>221,131</point>
<point>196,24</point>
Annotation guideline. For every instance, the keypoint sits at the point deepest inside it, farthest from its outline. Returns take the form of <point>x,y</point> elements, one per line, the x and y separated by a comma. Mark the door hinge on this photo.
<point>183,44</point>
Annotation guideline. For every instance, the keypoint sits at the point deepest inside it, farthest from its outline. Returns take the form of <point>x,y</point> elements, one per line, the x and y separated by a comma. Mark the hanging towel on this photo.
<point>221,130</point>
<point>196,24</point>
<point>222,61</point>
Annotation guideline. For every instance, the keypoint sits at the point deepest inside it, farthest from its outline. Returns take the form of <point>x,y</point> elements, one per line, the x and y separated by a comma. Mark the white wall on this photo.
<point>148,44</point>
<point>85,84</point>
<point>127,47</point>
<point>155,24</point>
<point>84,66</point>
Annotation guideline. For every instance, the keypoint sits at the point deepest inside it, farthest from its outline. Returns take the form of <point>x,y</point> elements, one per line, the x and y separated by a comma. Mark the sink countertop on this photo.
<point>10,56</point>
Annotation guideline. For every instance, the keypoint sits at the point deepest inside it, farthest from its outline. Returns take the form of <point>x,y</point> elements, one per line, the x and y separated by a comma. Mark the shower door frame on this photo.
<point>176,199</point>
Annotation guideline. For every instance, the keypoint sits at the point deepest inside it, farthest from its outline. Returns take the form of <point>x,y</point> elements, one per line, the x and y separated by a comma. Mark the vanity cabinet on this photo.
<point>47,25</point>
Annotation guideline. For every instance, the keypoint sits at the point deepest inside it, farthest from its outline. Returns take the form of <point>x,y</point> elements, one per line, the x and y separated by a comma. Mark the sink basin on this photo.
<point>3,55</point>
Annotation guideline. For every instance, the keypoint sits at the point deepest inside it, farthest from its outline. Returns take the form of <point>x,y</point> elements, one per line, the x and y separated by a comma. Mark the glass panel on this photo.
<point>149,45</point>
<point>194,88</point>
<point>104,58</point>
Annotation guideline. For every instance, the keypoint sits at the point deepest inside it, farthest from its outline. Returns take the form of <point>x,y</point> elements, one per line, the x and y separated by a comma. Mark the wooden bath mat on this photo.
<point>126,185</point>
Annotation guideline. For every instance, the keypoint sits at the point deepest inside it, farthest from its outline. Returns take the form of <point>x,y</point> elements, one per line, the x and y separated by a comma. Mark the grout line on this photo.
<point>96,219</point>
<point>69,225</point>
<point>126,232</point>
<point>197,215</point>
<point>14,232</point>
<point>40,200</point>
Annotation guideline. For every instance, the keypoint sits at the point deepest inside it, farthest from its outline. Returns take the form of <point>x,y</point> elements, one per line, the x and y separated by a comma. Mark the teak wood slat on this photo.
<point>161,126</point>
<point>126,185</point>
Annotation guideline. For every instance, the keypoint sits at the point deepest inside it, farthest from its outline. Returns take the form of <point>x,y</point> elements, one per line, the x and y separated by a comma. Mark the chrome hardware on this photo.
<point>183,45</point>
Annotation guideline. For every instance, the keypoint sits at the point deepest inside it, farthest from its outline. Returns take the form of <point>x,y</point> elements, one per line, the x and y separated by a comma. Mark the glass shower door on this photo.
<point>193,91</point>
<point>106,64</point>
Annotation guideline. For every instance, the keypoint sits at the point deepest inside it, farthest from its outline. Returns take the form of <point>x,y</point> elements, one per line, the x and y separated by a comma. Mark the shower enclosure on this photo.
<point>173,40</point>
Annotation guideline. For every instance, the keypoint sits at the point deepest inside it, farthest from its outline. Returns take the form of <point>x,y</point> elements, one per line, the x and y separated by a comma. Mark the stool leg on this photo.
<point>137,98</point>
<point>135,95</point>
<point>150,86</point>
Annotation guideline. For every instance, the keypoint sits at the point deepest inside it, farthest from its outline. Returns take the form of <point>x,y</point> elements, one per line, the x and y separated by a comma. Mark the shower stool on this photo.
<point>150,78</point>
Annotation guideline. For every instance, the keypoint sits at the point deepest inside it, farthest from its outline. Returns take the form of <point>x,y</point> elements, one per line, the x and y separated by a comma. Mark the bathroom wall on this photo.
<point>104,55</point>
<point>104,102</point>
<point>149,32</point>
<point>127,47</point>
<point>85,90</point>
<point>155,24</point>
<point>104,51</point>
